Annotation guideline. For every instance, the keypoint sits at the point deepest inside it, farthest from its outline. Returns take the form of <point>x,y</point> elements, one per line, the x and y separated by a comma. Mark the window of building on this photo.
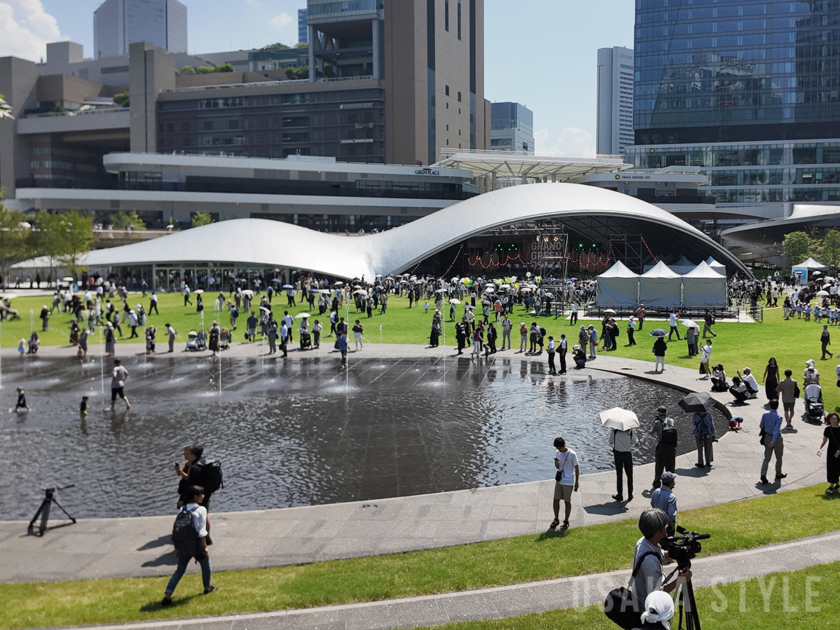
<point>459,19</point>
<point>446,15</point>
<point>447,90</point>
<point>459,97</point>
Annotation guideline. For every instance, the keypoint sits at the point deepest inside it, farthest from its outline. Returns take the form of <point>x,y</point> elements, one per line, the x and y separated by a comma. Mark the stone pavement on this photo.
<point>521,599</point>
<point>101,548</point>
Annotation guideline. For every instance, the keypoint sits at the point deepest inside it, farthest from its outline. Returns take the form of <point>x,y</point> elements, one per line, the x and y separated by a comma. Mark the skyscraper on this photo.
<point>303,32</point>
<point>615,100</point>
<point>511,128</point>
<point>748,91</point>
<point>119,23</point>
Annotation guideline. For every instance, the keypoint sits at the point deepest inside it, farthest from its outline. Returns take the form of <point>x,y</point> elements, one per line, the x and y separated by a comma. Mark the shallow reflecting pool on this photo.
<point>301,433</point>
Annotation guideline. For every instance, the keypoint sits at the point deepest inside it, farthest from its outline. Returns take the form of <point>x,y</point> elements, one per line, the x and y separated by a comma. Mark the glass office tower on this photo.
<point>736,70</point>
<point>745,90</point>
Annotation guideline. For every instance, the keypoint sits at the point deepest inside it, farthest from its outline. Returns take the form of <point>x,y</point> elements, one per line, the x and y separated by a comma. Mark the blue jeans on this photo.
<point>183,561</point>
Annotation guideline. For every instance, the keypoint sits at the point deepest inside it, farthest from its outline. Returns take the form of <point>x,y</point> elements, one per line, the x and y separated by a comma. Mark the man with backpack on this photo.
<point>189,535</point>
<point>666,445</point>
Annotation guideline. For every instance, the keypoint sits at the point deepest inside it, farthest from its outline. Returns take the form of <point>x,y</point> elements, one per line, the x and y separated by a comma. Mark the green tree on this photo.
<point>14,240</point>
<point>225,67</point>
<point>301,45</point>
<point>46,237</point>
<point>122,219</point>
<point>187,70</point>
<point>204,70</point>
<point>5,109</point>
<point>123,99</point>
<point>76,229</point>
<point>277,46</point>
<point>201,218</point>
<point>831,250</point>
<point>797,245</point>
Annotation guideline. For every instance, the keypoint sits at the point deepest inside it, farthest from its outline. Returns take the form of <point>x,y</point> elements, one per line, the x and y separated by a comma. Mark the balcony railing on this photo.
<point>83,112</point>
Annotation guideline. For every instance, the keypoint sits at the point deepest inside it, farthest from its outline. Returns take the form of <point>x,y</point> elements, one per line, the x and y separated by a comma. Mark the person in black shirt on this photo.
<point>21,401</point>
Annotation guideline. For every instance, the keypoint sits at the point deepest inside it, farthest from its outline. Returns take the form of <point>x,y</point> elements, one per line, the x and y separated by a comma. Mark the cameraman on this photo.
<point>653,523</point>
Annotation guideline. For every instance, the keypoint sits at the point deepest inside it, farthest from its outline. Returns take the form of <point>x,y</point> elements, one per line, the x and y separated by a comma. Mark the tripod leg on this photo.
<point>692,618</point>
<point>63,510</point>
<point>37,514</point>
<point>45,516</point>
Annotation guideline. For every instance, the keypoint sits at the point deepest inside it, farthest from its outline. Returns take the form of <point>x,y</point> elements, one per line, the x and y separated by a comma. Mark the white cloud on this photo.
<point>282,20</point>
<point>26,29</point>
<point>573,142</point>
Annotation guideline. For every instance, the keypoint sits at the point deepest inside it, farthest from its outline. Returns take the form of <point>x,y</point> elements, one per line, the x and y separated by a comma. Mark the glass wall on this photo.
<point>727,66</point>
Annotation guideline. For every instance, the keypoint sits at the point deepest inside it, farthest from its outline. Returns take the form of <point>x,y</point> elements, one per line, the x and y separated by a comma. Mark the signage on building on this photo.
<point>427,171</point>
<point>358,141</point>
<point>356,106</point>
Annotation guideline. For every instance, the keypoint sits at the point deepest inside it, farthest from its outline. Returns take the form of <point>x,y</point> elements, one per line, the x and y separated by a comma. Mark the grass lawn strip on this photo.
<point>579,551</point>
<point>721,607</point>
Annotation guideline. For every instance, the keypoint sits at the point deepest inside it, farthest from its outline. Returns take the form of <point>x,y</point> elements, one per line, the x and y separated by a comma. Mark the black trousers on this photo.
<point>562,362</point>
<point>630,336</point>
<point>551,368</point>
<point>666,459</point>
<point>623,464</point>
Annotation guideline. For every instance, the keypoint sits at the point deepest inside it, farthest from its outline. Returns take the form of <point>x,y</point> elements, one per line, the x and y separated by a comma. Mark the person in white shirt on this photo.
<point>567,480</point>
<point>705,356</point>
<point>749,380</point>
<point>564,348</point>
<point>672,322</point>
<point>622,443</point>
<point>506,328</point>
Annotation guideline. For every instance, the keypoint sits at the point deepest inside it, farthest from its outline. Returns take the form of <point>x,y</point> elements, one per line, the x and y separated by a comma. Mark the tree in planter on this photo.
<point>76,229</point>
<point>14,240</point>
<point>796,247</point>
<point>123,99</point>
<point>187,70</point>
<point>831,250</point>
<point>201,218</point>
<point>122,220</point>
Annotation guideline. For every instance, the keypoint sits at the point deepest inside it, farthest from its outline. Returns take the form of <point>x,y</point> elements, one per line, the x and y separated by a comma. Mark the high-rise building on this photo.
<point>512,128</point>
<point>746,90</point>
<point>615,100</point>
<point>119,23</point>
<point>303,31</point>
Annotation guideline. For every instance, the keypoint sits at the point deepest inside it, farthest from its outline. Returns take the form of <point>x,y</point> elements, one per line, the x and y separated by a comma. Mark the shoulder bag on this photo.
<point>619,606</point>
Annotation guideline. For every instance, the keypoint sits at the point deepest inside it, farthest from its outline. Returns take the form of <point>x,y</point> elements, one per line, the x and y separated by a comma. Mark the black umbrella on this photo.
<point>698,402</point>
<point>658,333</point>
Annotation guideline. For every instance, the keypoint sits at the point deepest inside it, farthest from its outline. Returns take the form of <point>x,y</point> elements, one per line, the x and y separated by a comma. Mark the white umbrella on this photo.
<point>454,301</point>
<point>470,306</point>
<point>247,292</point>
<point>609,311</point>
<point>263,308</point>
<point>68,279</point>
<point>504,286</point>
<point>690,323</point>
<point>489,290</point>
<point>324,291</point>
<point>618,418</point>
<point>302,315</point>
<point>357,286</point>
<point>360,292</point>
<point>286,286</point>
<point>441,291</point>
<point>338,284</point>
<point>822,293</point>
<point>198,291</point>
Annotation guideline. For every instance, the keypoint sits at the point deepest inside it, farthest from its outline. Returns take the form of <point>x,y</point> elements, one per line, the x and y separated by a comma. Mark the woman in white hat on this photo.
<point>811,376</point>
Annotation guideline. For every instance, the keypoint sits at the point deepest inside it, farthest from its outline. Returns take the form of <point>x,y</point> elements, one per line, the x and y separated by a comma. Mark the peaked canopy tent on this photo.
<point>660,287</point>
<point>721,269</point>
<point>618,286</point>
<point>803,271</point>
<point>682,266</point>
<point>703,287</point>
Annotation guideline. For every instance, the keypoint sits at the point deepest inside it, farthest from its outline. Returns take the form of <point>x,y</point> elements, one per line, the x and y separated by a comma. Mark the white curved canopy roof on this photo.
<point>276,244</point>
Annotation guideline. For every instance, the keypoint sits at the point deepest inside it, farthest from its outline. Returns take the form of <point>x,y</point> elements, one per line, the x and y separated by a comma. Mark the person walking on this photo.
<point>567,481</point>
<point>507,325</point>
<point>153,304</point>
<point>660,346</point>
<point>198,520</point>
<point>825,341</point>
<point>342,347</point>
<point>831,435</point>
<point>771,378</point>
<point>358,330</point>
<point>272,334</point>
<point>187,295</point>
<point>691,340</point>
<point>672,322</point>
<point>622,443</point>
<point>788,391</point>
<point>631,329</point>
<point>770,430</point>
<point>118,378</point>
<point>640,315</point>
<point>704,435</point>
<point>665,456</point>
<point>573,316</point>
<point>708,322</point>
<point>593,342</point>
<point>705,357</point>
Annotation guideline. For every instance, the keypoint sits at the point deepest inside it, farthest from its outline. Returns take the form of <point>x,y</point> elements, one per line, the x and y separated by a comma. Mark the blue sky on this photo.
<point>540,53</point>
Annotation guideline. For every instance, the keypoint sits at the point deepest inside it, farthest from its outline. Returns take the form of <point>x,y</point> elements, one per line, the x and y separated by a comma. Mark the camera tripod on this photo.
<point>684,601</point>
<point>44,511</point>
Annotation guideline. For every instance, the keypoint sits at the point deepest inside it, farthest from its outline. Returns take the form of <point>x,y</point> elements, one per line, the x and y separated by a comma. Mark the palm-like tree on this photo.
<point>5,109</point>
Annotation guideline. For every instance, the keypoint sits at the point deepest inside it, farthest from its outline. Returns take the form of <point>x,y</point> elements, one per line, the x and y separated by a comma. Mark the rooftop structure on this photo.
<point>119,23</point>
<point>615,100</point>
<point>512,128</point>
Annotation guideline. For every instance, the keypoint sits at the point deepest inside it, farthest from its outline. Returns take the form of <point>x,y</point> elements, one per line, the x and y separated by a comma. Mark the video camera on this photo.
<point>685,547</point>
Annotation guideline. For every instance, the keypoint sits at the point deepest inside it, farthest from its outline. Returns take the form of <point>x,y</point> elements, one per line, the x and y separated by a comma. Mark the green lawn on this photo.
<point>578,551</point>
<point>735,606</point>
<point>737,345</point>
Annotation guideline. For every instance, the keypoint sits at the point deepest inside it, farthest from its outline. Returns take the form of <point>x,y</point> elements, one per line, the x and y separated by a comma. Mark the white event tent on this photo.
<point>804,271</point>
<point>682,266</point>
<point>721,269</point>
<point>618,286</point>
<point>704,287</point>
<point>660,287</point>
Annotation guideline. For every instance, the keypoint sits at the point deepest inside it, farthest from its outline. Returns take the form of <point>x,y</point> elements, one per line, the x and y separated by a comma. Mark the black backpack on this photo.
<point>542,332</point>
<point>669,433</point>
<point>184,536</point>
<point>211,476</point>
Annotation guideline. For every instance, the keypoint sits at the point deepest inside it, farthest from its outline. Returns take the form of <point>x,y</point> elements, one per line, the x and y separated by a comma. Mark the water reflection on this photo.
<point>301,433</point>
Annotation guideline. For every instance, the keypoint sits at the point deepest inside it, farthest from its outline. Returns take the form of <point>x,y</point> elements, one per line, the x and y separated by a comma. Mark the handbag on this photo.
<point>619,606</point>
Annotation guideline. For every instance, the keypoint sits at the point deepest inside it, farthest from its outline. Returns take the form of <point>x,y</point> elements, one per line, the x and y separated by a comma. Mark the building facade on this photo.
<point>511,128</point>
<point>746,90</point>
<point>615,100</point>
<point>303,30</point>
<point>119,23</point>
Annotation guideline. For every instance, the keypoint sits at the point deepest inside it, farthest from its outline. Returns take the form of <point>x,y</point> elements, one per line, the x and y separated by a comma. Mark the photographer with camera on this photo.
<point>625,608</point>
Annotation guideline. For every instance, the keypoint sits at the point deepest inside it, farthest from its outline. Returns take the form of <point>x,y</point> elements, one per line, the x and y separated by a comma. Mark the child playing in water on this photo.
<point>21,401</point>
<point>22,347</point>
<point>83,407</point>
